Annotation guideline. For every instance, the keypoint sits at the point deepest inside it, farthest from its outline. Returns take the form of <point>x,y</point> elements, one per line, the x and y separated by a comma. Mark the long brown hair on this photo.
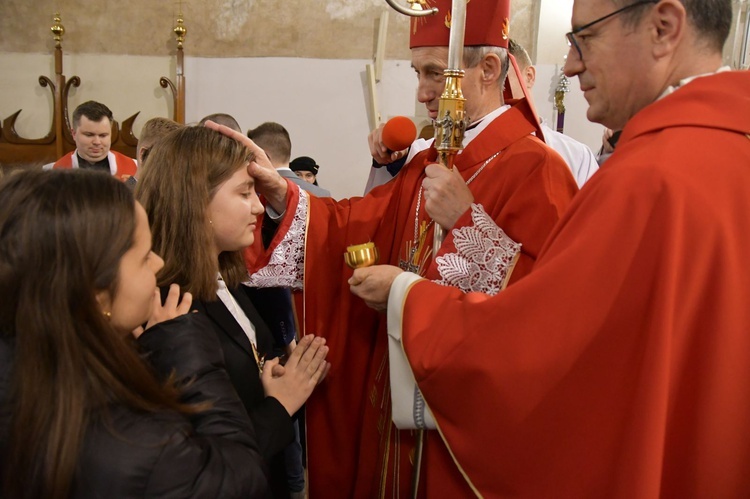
<point>62,235</point>
<point>179,179</point>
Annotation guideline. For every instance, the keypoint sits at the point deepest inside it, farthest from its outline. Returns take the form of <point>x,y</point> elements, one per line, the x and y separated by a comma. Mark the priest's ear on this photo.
<point>491,67</point>
<point>529,76</point>
<point>668,23</point>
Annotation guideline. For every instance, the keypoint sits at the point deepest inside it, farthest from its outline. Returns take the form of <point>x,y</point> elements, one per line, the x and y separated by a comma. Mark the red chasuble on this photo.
<point>124,167</point>
<point>353,448</point>
<point>620,366</point>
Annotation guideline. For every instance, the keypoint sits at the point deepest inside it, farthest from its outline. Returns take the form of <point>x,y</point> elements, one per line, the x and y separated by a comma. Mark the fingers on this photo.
<point>138,331</point>
<point>312,353</point>
<point>378,150</point>
<point>435,170</point>
<point>225,130</point>
<point>398,155</point>
<point>174,305</point>
<point>267,374</point>
<point>308,355</point>
<point>373,285</point>
<point>185,304</point>
<point>320,373</point>
<point>277,371</point>
<point>317,360</point>
<point>358,277</point>
<point>300,349</point>
<point>260,155</point>
<point>173,297</point>
<point>325,372</point>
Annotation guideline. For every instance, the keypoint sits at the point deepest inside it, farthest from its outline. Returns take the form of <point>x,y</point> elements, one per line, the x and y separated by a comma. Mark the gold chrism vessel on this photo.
<point>361,255</point>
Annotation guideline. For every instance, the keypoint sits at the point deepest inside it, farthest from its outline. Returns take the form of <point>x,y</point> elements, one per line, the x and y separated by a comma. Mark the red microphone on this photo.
<point>398,133</point>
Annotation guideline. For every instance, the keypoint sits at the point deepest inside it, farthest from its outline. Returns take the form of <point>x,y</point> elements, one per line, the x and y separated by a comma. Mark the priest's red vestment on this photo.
<point>620,366</point>
<point>353,448</point>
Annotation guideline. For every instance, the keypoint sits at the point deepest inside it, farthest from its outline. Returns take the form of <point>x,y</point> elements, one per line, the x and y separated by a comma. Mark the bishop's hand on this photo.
<point>373,284</point>
<point>446,195</point>
<point>268,182</point>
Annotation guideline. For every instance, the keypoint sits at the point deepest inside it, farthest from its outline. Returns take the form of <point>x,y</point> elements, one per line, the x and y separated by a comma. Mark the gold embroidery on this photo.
<point>415,256</point>
<point>506,28</point>
<point>381,424</point>
<point>448,19</point>
<point>386,457</point>
<point>418,5</point>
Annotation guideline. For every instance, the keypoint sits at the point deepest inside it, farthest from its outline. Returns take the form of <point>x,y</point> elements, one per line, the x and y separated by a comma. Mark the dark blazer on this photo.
<point>305,186</point>
<point>273,425</point>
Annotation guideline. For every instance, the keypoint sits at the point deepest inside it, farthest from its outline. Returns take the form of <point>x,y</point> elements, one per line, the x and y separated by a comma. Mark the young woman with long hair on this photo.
<point>203,210</point>
<point>82,414</point>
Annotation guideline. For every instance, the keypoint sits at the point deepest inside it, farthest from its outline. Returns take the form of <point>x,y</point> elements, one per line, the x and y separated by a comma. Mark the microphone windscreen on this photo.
<point>398,133</point>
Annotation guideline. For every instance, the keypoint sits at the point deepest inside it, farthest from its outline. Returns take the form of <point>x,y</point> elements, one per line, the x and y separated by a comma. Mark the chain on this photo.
<point>417,233</point>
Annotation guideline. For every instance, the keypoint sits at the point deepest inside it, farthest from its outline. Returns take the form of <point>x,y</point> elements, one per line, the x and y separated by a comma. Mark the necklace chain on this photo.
<point>260,360</point>
<point>419,235</point>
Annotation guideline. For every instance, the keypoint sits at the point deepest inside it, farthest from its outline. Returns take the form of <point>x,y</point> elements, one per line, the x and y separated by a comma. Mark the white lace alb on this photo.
<point>484,256</point>
<point>287,264</point>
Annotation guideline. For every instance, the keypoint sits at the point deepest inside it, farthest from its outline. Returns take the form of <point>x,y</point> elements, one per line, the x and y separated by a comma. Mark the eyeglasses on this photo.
<point>571,36</point>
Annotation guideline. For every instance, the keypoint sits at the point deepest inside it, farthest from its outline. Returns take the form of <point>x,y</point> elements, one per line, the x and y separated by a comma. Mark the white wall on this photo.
<point>554,22</point>
<point>576,124</point>
<point>323,103</point>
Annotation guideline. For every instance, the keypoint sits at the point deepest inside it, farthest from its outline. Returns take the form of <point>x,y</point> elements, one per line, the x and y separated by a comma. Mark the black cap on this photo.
<point>304,163</point>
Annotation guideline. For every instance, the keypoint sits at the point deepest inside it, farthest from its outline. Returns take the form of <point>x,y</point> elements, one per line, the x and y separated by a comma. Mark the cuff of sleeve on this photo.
<point>409,409</point>
<point>396,298</point>
<point>273,214</point>
<point>465,219</point>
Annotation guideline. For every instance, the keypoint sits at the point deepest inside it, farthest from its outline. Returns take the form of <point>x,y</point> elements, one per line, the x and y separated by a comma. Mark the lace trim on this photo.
<point>484,256</point>
<point>419,408</point>
<point>287,265</point>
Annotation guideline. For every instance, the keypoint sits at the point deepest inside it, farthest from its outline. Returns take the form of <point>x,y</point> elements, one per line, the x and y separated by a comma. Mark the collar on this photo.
<point>478,126</point>
<point>673,88</point>
<point>111,162</point>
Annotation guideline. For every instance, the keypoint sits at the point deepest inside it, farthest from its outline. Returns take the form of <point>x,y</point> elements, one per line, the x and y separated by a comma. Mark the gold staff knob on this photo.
<point>180,31</point>
<point>58,30</point>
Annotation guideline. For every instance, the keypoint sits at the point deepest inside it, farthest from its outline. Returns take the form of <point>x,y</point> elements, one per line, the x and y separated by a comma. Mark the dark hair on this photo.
<point>711,18</point>
<point>95,111</point>
<point>522,57</point>
<point>62,235</point>
<point>274,140</point>
<point>222,119</point>
<point>182,174</point>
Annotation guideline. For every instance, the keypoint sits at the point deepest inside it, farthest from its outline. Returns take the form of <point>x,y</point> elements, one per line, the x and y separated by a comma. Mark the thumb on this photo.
<point>434,170</point>
<point>278,371</point>
<point>268,368</point>
<point>358,277</point>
